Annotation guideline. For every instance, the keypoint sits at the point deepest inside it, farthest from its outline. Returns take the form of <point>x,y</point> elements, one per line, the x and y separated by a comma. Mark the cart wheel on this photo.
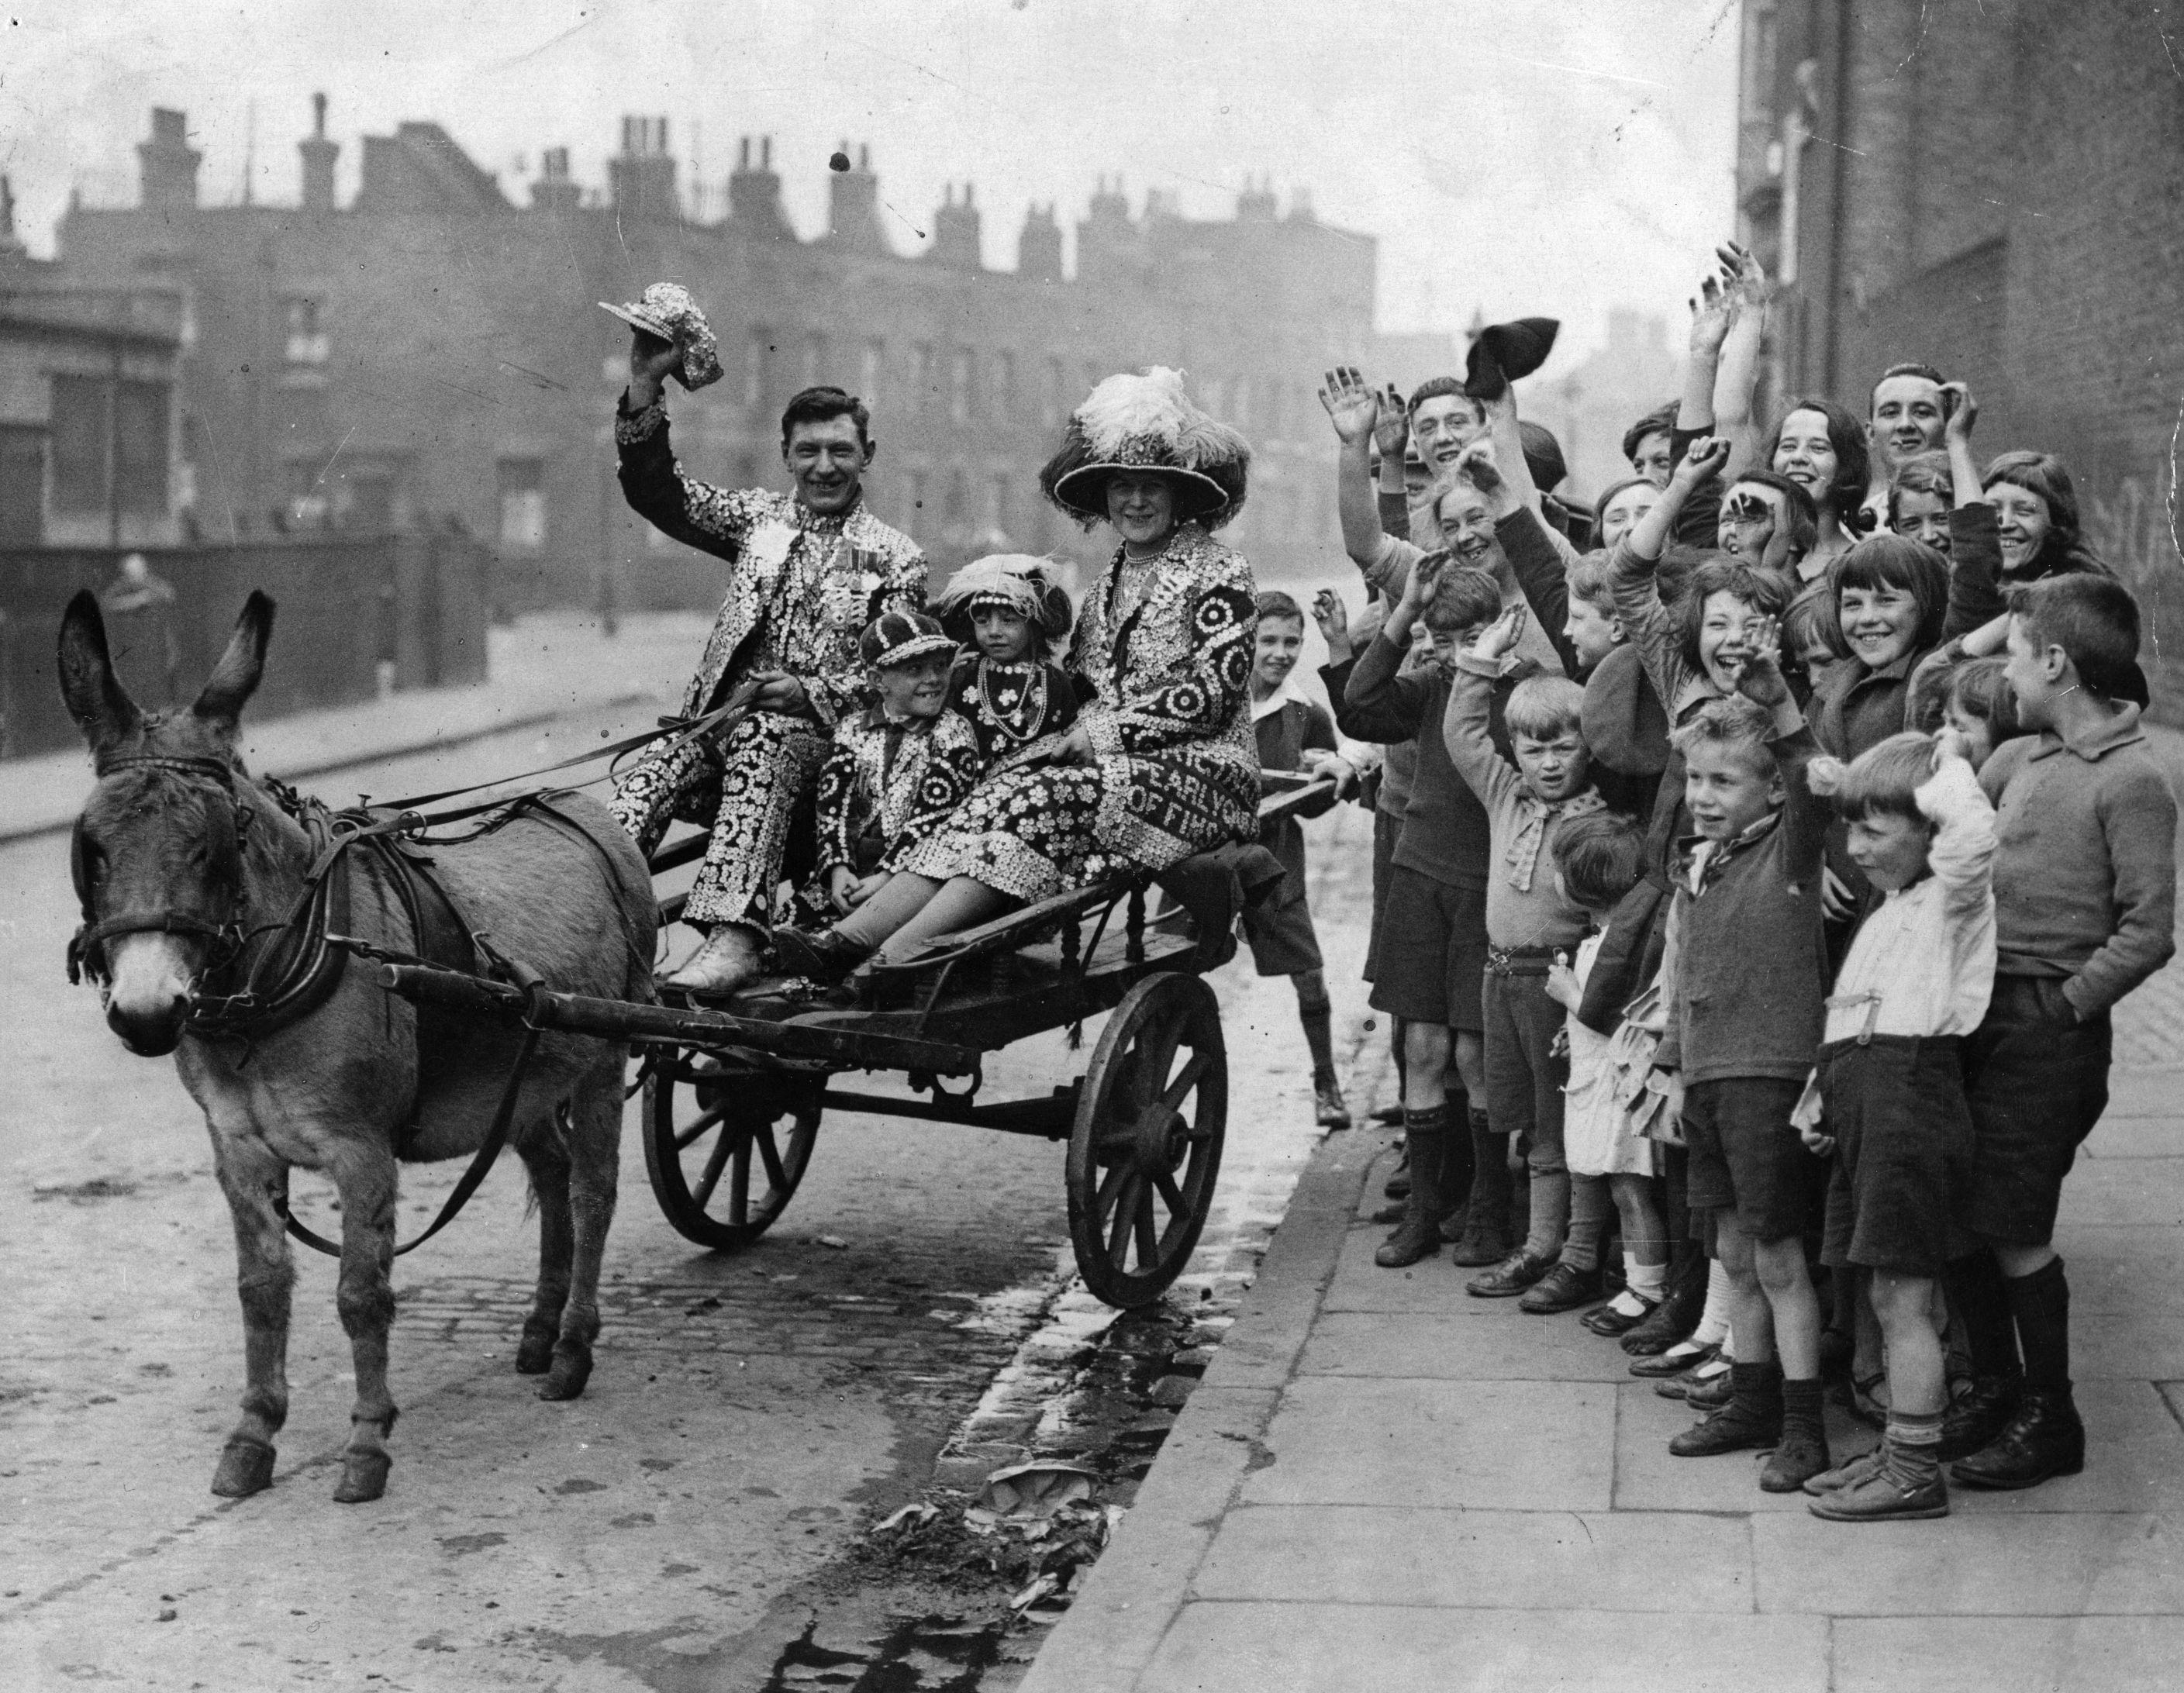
<point>706,1125</point>
<point>1146,1145</point>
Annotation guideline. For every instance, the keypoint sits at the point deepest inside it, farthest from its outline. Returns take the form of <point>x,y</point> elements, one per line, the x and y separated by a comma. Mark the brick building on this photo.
<point>1995,186</point>
<point>433,353</point>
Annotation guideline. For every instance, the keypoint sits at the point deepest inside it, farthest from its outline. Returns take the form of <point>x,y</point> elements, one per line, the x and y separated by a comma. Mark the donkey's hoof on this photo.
<point>364,1478</point>
<point>534,1355</point>
<point>246,1467</point>
<point>571,1370</point>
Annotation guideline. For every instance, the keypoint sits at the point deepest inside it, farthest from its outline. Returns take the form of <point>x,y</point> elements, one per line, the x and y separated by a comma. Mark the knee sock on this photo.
<point>1914,1443</point>
<point>1459,1165</point>
<point>1713,1322</point>
<point>2041,1303</point>
<point>1801,1404</point>
<point>1489,1171</point>
<point>1316,1015</point>
<point>1977,1290</point>
<point>1426,1131</point>
<point>1589,1207</point>
<point>1547,1217</point>
<point>1675,1202</point>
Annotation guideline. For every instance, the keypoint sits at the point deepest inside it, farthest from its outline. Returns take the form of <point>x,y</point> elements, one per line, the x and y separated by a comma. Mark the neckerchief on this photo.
<point>1708,857</point>
<point>1533,815</point>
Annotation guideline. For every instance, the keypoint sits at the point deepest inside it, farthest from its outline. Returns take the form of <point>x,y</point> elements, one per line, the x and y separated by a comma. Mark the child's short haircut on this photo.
<point>1897,561</point>
<point>1542,707</point>
<point>1463,598</point>
<point>1812,621</point>
<point>1587,580</point>
<point>1981,689</point>
<point>1601,856</point>
<point>1661,421</point>
<point>1766,591</point>
<point>1273,604</point>
<point>1927,473</point>
<point>1885,779</point>
<point>1739,724</point>
<point>2093,619</point>
<point>1435,387</point>
<point>1679,559</point>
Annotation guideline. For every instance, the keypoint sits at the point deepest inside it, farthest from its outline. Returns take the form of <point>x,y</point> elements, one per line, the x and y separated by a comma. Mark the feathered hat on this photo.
<point>1017,581</point>
<point>1142,421</point>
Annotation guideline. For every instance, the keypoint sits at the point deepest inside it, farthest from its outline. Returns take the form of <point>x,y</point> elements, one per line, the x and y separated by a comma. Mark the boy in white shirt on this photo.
<point>1889,1088</point>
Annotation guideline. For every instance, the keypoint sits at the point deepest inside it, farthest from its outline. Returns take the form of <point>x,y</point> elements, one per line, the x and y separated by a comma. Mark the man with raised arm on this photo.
<point>809,572</point>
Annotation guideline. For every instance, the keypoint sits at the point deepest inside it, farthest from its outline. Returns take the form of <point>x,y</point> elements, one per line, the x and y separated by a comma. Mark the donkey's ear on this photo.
<point>234,678</point>
<point>94,695</point>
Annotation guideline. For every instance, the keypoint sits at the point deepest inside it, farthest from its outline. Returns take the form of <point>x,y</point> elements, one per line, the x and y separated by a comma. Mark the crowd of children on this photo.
<point>1758,857</point>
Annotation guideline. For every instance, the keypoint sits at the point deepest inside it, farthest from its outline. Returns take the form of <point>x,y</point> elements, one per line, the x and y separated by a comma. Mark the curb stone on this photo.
<point>1113,1627</point>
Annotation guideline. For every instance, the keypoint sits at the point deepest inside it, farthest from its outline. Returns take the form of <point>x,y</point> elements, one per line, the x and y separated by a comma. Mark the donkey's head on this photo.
<point>157,855</point>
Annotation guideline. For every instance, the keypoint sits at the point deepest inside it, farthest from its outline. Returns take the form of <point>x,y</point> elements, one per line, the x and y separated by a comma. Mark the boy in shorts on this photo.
<point>1430,950</point>
<point>1294,733</point>
<point>2084,908</point>
<point>1890,1085</point>
<point>1748,966</point>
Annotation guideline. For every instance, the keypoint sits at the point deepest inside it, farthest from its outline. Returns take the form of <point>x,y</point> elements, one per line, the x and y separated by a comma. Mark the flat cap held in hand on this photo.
<point>1504,353</point>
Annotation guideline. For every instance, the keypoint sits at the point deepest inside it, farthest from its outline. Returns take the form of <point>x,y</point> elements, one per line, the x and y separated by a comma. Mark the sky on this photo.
<point>1544,157</point>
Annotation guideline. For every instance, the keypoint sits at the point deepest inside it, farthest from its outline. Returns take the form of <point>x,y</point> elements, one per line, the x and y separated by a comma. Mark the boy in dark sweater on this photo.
<point>2084,893</point>
<point>1430,950</point>
<point>1748,966</point>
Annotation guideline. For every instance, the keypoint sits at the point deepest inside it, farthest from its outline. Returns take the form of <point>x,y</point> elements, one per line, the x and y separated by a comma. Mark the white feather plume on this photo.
<point>1134,404</point>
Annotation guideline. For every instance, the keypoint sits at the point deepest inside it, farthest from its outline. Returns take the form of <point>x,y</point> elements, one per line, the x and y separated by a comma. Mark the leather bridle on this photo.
<point>87,950</point>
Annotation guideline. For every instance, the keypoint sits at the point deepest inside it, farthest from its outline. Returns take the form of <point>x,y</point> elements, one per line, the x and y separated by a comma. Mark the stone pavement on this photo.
<point>543,666</point>
<point>1381,1483</point>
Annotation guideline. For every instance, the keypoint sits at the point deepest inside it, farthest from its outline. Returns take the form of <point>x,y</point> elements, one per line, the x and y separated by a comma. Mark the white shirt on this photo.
<point>1923,963</point>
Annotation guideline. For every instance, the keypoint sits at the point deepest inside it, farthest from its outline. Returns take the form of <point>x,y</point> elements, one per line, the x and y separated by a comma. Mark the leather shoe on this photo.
<point>1329,1109</point>
<point>1800,1455</point>
<point>1877,1496</point>
<point>1562,1289</point>
<point>826,957</point>
<point>725,960</point>
<point>1975,1421</point>
<point>1671,1363</point>
<point>1398,1185</point>
<point>1752,1419</point>
<point>1510,1277</point>
<point>1610,1322</point>
<point>2045,1438</point>
<point>1708,1388</point>
<point>1483,1240</point>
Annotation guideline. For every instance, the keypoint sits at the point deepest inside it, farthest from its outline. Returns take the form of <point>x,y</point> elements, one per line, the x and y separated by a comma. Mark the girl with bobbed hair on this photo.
<point>1821,446</point>
<point>1891,600</point>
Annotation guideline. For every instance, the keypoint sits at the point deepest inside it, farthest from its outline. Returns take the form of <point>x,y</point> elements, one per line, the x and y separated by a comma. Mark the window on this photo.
<point>1004,396</point>
<point>307,343</point>
<point>926,382</point>
<point>1053,400</point>
<point>370,501</point>
<point>79,436</point>
<point>869,371</point>
<point>522,503</point>
<point>815,360</point>
<point>22,485</point>
<point>959,386</point>
<point>99,425</point>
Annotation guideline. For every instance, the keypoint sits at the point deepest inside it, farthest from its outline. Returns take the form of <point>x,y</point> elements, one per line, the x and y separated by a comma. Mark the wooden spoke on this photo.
<point>709,1120</point>
<point>1126,1208</point>
<point>1171,1195</point>
<point>1148,1237</point>
<point>1110,1185</point>
<point>1179,1090</point>
<point>704,1191</point>
<point>739,1187</point>
<point>771,1154</point>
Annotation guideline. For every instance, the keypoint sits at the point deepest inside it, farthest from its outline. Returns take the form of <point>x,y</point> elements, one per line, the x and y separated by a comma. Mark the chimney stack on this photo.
<point>853,215</point>
<point>319,155</point>
<point>955,233</point>
<point>641,178</point>
<point>1038,248</point>
<point>755,208</point>
<point>167,165</point>
<point>556,190</point>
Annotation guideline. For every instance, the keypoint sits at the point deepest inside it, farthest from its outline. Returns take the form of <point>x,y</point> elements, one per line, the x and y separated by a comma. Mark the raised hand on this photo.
<point>1761,678</point>
<point>1713,309</point>
<point>1744,275</point>
<point>1393,430</point>
<point>1351,405</point>
<point>650,361</point>
<point>1950,743</point>
<point>1332,616</point>
<point>1425,576</point>
<point>1705,458</point>
<point>1497,637</point>
<point>1961,409</point>
<point>1478,465</point>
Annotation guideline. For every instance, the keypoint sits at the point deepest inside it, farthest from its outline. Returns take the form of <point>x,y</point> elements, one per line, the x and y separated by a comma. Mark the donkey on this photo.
<point>181,856</point>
